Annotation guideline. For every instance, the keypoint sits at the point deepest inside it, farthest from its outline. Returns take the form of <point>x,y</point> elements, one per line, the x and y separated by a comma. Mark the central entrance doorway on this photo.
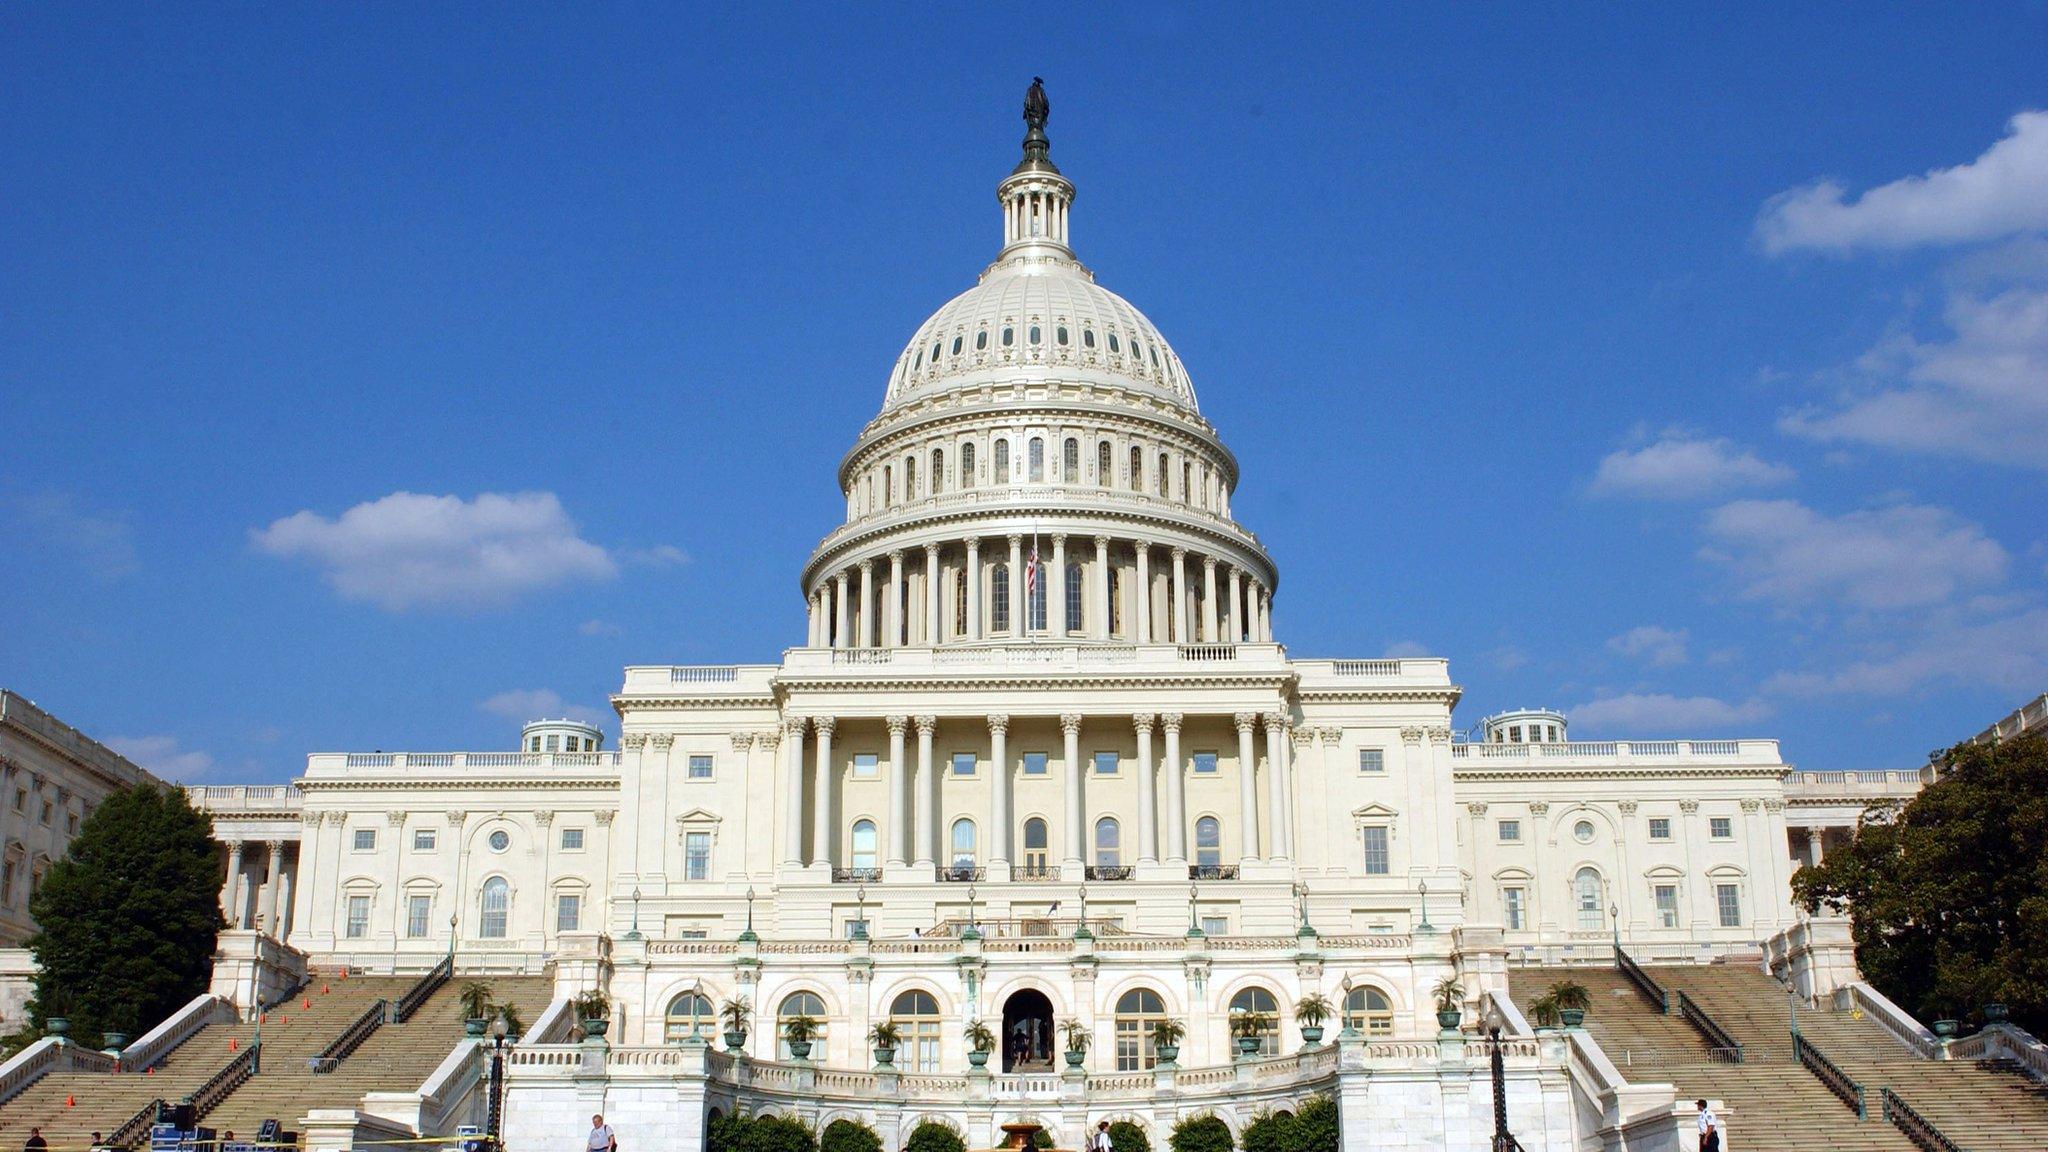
<point>1027,1032</point>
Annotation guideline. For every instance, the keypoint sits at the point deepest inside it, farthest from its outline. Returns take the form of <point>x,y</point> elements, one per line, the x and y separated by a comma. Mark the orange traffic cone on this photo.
<point>231,1047</point>
<point>71,1101</point>
<point>326,988</point>
<point>308,1004</point>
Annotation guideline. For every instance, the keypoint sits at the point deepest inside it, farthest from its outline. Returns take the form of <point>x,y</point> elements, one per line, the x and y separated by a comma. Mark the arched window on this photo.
<point>1113,345</point>
<point>1208,842</point>
<point>888,486</point>
<point>956,345</point>
<point>1136,1012</point>
<point>1116,602</point>
<point>1102,464</point>
<point>497,908</point>
<point>1001,474</point>
<point>963,843</point>
<point>863,855</point>
<point>967,464</point>
<point>1586,890</point>
<point>801,1004</point>
<point>981,340</point>
<point>1165,477</point>
<point>1009,336</point>
<point>1035,461</point>
<point>1073,605</point>
<point>1070,462</point>
<point>1187,483</point>
<point>999,598</point>
<point>689,1015</point>
<point>916,1016</point>
<point>960,603</point>
<point>1108,843</point>
<point>1260,1001</point>
<point>1035,863</point>
<point>1060,334</point>
<point>1034,601</point>
<point>938,471</point>
<point>1137,468</point>
<point>1367,1012</point>
<point>910,477</point>
<point>1087,337</point>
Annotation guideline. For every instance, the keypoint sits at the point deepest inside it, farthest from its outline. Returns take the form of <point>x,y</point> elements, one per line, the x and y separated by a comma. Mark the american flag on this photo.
<point>1031,572</point>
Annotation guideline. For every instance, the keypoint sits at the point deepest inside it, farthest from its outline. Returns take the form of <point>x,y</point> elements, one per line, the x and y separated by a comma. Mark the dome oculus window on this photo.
<point>1087,337</point>
<point>1113,347</point>
<point>956,345</point>
<point>500,841</point>
<point>1037,337</point>
<point>1009,337</point>
<point>935,352</point>
<point>1060,334</point>
<point>980,341</point>
<point>1583,831</point>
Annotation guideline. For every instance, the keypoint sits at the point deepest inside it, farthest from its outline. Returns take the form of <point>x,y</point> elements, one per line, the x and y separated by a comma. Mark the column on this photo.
<point>1179,592</point>
<point>925,833</point>
<point>284,921</point>
<point>1210,632</point>
<point>1056,589</point>
<point>272,883</point>
<point>1077,818</point>
<point>867,603</point>
<point>811,621</point>
<point>1148,822</point>
<point>1236,605</point>
<point>793,789</point>
<point>1142,631</point>
<point>1017,621</point>
<point>1176,805</point>
<point>899,794</point>
<point>892,614</point>
<point>821,797</point>
<point>1265,616</point>
<point>999,789</point>
<point>1247,789</point>
<point>932,630</point>
<point>839,620</point>
<point>972,575</point>
<point>1276,784</point>
<point>232,884</point>
<point>1100,629</point>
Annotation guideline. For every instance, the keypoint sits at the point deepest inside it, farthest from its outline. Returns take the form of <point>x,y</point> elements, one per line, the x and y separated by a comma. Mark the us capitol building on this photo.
<point>1040,757</point>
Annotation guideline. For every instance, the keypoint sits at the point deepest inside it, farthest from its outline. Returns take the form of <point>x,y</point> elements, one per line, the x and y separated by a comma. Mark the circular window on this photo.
<point>500,840</point>
<point>1583,831</point>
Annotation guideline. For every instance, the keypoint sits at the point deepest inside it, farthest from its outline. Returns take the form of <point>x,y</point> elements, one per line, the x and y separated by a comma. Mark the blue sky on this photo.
<point>375,375</point>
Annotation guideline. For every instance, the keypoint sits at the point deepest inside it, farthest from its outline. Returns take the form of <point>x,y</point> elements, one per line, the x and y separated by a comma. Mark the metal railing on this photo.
<point>351,1037</point>
<point>963,874</point>
<point>207,1096</point>
<point>1035,872</point>
<point>856,875</point>
<point>440,974</point>
<point>1644,982</point>
<point>1917,1128</point>
<point>1721,1045</point>
<point>1837,1081</point>
<point>130,1132</point>
<point>1111,871</point>
<point>1212,871</point>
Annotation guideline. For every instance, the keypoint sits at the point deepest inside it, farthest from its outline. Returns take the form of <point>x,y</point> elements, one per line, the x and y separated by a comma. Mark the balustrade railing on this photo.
<point>1212,871</point>
<point>351,1037</point>
<point>128,1133</point>
<point>963,874</point>
<point>1111,871</point>
<point>1825,1070</point>
<point>1920,1130</point>
<point>1721,1044</point>
<point>243,1065</point>
<point>1648,986</point>
<point>1035,872</point>
<point>425,986</point>
<point>856,875</point>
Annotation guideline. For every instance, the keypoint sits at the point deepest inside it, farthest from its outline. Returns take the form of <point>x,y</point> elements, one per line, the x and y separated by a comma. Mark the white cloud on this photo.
<point>1400,648</point>
<point>1981,393</point>
<point>104,543</point>
<point>1903,556</point>
<point>600,628</point>
<point>409,550</point>
<point>2009,653</point>
<point>522,704</point>
<point>1663,714</point>
<point>161,755</point>
<point>2000,193</point>
<point>1681,467</point>
<point>1661,647</point>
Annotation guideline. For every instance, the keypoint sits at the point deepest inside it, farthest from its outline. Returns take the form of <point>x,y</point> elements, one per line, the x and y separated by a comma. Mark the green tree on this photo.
<point>128,920</point>
<point>932,1136</point>
<point>1315,1126</point>
<point>1201,1134</point>
<point>843,1135</point>
<point>1125,1136</point>
<point>1270,1132</point>
<point>1948,895</point>
<point>760,1134</point>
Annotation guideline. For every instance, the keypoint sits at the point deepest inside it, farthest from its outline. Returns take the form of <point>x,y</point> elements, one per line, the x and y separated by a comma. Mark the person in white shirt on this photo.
<point>1100,1141</point>
<point>1710,1128</point>
<point>601,1137</point>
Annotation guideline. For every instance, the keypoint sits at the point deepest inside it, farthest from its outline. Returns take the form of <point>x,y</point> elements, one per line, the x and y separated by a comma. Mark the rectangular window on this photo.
<point>697,856</point>
<point>700,767</point>
<point>358,917</point>
<point>71,823</point>
<point>1376,851</point>
<point>1510,831</point>
<point>572,839</point>
<point>366,840</point>
<point>568,912</point>
<point>1372,760</point>
<point>48,810</point>
<point>856,928</point>
<point>1729,899</point>
<point>554,743</point>
<point>1205,763</point>
<point>866,766</point>
<point>1667,905</point>
<point>1216,925</point>
<point>963,763</point>
<point>1511,900</point>
<point>1105,763</point>
<point>417,909</point>
<point>694,934</point>
<point>1660,828</point>
<point>1034,763</point>
<point>21,799</point>
<point>423,839</point>
<point>1721,828</point>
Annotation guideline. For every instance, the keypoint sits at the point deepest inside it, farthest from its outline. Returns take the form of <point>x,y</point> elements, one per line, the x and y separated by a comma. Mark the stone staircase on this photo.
<point>70,1106</point>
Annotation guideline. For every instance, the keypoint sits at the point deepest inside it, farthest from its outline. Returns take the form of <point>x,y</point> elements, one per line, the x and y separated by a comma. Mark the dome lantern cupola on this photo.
<point>1036,198</point>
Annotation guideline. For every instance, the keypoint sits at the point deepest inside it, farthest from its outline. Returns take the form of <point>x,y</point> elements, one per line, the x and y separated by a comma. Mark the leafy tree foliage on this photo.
<point>128,920</point>
<point>843,1135</point>
<point>1949,895</point>
<point>1315,1126</point>
<point>1125,1136</point>
<point>1201,1134</point>
<point>932,1136</point>
<point>762,1134</point>
<point>1270,1132</point>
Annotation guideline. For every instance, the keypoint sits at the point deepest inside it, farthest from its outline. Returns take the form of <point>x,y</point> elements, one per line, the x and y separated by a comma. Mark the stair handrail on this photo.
<point>1721,1044</point>
<point>160,1041</point>
<point>50,1054</point>
<point>351,1037</point>
<point>130,1132</point>
<point>1829,1074</point>
<point>1920,1130</point>
<point>424,987</point>
<point>1647,985</point>
<point>1889,1016</point>
<point>231,1076</point>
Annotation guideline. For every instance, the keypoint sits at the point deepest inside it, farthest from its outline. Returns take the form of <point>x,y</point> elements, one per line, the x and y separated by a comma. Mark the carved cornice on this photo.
<point>1627,807</point>
<point>1689,807</point>
<point>1539,808</point>
<point>457,784</point>
<point>1411,735</point>
<point>633,741</point>
<point>1330,735</point>
<point>1476,808</point>
<point>662,741</point>
<point>1750,807</point>
<point>1439,735</point>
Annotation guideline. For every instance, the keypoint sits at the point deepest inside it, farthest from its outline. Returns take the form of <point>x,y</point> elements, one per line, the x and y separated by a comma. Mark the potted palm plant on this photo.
<point>1572,1000</point>
<point>1310,1011</point>
<point>1078,1040</point>
<point>1166,1036</point>
<point>799,1031</point>
<point>1249,1029</point>
<point>885,1036</point>
<point>594,1009</point>
<point>980,1042</point>
<point>1543,1011</point>
<point>475,1000</point>
<point>736,1013</point>
<point>514,1026</point>
<point>1450,996</point>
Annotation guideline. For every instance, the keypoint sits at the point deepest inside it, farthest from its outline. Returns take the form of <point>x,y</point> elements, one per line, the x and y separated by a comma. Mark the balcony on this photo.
<point>1563,753</point>
<point>1212,871</point>
<point>856,875</point>
<point>1039,872</point>
<point>1112,871</point>
<point>963,874</point>
<point>1045,653</point>
<point>1889,784</point>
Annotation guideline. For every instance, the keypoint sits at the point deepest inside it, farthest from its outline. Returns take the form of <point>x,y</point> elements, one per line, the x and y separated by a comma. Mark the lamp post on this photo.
<point>1081,931</point>
<point>634,932</point>
<point>1301,903</point>
<point>1194,925</point>
<point>973,927</point>
<point>860,903</point>
<point>1614,914</point>
<point>1422,898</point>
<point>497,1113</point>
<point>1502,1142</point>
<point>749,933</point>
<point>451,939</point>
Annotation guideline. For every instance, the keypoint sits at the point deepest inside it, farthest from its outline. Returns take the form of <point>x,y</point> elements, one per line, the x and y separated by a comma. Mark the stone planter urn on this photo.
<point>474,1027</point>
<point>1311,1034</point>
<point>1075,1058</point>
<point>1168,1053</point>
<point>1247,1046</point>
<point>978,1058</point>
<point>57,1026</point>
<point>886,1057</point>
<point>735,1039</point>
<point>1995,1013</point>
<point>594,1027</point>
<point>116,1040</point>
<point>800,1049</point>
<point>1448,1018</point>
<point>1946,1029</point>
<point>1572,1017</point>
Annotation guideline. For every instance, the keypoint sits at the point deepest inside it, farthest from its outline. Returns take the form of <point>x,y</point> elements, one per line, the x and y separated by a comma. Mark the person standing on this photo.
<point>1710,1128</point>
<point>35,1141</point>
<point>602,1139</point>
<point>1100,1141</point>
